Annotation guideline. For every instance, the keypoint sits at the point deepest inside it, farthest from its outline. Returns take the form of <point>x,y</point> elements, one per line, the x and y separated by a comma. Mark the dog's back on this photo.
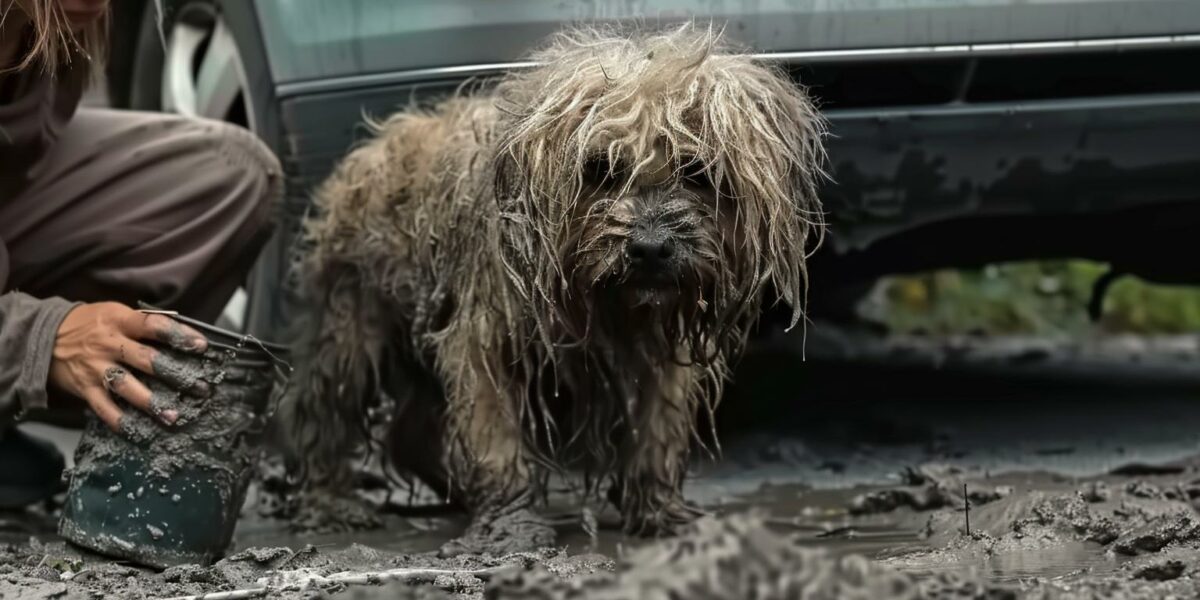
<point>377,247</point>
<point>412,159</point>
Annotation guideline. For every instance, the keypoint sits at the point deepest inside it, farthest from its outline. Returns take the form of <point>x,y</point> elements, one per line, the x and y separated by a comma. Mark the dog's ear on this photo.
<point>769,135</point>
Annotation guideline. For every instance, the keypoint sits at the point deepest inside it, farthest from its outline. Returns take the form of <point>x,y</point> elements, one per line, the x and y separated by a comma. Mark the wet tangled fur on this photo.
<point>463,262</point>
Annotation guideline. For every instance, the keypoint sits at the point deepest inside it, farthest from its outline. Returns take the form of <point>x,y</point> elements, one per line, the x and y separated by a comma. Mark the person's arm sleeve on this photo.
<point>28,328</point>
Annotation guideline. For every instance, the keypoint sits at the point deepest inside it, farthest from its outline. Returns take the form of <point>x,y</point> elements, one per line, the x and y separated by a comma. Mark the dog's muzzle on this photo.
<point>652,258</point>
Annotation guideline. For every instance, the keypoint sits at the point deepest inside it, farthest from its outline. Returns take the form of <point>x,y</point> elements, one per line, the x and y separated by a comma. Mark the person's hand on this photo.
<point>95,344</point>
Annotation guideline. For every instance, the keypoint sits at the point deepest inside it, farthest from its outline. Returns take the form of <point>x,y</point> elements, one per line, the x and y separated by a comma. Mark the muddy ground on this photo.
<point>1078,488</point>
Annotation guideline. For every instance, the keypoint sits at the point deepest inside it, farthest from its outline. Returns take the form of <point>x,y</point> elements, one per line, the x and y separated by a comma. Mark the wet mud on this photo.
<point>1112,538</point>
<point>1047,536</point>
<point>1093,499</point>
<point>57,570</point>
<point>927,487</point>
<point>503,533</point>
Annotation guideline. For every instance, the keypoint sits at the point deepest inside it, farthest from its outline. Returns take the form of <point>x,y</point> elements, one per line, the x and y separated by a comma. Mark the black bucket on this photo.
<point>164,495</point>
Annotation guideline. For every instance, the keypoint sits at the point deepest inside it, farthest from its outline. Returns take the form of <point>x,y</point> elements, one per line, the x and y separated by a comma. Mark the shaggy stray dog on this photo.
<point>556,272</point>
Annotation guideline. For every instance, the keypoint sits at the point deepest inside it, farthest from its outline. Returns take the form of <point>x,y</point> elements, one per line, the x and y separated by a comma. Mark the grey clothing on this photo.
<point>103,205</point>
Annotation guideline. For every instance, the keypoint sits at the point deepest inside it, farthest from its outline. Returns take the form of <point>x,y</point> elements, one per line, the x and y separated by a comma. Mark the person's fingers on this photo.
<point>152,326</point>
<point>104,407</point>
<point>124,384</point>
<point>165,368</point>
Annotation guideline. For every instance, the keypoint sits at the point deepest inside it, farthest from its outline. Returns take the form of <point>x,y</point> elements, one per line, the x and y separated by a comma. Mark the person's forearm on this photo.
<point>28,328</point>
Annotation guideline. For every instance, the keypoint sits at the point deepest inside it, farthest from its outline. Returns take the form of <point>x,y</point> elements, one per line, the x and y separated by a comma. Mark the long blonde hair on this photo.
<point>53,43</point>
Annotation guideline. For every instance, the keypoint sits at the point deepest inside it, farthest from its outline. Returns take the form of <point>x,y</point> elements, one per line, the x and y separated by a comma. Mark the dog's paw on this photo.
<point>520,530</point>
<point>653,511</point>
<point>666,520</point>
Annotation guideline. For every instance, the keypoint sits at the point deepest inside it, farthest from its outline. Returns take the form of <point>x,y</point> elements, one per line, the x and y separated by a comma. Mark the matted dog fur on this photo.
<point>557,270</point>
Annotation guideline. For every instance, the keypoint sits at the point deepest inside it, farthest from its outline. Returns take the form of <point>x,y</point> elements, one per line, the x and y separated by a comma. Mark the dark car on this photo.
<point>964,131</point>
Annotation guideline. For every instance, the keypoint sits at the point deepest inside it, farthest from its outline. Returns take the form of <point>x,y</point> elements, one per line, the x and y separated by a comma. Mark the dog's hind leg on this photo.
<point>326,409</point>
<point>484,456</point>
<point>417,432</point>
<point>648,489</point>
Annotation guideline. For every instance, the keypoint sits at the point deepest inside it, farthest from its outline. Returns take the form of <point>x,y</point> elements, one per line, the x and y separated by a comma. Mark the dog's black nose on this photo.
<point>649,253</point>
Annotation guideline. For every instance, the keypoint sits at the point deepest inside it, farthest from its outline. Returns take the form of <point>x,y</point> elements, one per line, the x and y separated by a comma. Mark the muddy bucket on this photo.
<point>164,495</point>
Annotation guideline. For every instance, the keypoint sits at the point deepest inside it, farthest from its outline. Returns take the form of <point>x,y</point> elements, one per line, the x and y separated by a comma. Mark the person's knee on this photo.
<point>254,175</point>
<point>246,173</point>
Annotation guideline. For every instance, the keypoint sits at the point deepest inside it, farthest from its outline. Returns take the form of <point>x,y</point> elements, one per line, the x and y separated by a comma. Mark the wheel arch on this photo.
<point>136,51</point>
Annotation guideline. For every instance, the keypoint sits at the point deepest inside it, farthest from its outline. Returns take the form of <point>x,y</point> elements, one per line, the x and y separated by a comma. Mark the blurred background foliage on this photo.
<point>1045,297</point>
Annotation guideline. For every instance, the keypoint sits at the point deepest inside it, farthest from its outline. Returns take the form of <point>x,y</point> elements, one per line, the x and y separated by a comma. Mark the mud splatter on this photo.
<point>1178,526</point>
<point>929,487</point>
<point>1161,571</point>
<point>175,334</point>
<point>182,374</point>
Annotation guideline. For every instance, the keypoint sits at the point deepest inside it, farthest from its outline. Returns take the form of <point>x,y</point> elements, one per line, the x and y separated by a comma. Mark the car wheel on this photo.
<point>189,63</point>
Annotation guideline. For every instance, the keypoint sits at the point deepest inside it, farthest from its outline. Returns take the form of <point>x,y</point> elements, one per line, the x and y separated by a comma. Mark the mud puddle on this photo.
<point>875,473</point>
<point>824,519</point>
<point>1030,535</point>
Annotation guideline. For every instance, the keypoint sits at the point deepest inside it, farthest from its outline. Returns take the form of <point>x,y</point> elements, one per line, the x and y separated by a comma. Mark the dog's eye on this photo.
<point>597,170</point>
<point>696,175</point>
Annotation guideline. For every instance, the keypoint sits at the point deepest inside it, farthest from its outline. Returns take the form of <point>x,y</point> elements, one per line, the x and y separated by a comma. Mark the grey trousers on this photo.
<point>129,206</point>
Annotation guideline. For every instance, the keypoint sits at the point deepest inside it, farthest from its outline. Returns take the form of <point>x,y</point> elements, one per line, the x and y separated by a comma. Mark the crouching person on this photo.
<point>100,209</point>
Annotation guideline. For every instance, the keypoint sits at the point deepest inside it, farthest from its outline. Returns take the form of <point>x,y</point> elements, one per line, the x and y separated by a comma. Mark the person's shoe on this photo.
<point>30,469</point>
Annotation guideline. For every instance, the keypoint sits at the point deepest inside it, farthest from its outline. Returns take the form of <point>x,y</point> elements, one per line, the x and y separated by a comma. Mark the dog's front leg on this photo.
<point>487,469</point>
<point>649,487</point>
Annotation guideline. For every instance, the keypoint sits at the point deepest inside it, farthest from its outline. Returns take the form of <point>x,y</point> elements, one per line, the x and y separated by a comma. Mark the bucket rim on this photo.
<point>213,330</point>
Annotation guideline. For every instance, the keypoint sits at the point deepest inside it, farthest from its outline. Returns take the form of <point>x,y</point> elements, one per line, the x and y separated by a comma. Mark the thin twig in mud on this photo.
<point>305,551</point>
<point>232,595</point>
<point>591,527</point>
<point>967,509</point>
<point>840,532</point>
<point>301,580</point>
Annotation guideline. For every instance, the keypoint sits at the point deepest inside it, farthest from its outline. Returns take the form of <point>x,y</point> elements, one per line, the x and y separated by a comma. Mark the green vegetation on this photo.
<point>1032,298</point>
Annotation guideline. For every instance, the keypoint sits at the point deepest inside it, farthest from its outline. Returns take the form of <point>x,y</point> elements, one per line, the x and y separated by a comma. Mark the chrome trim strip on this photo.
<point>1021,108</point>
<point>955,50</point>
<point>317,86</point>
<point>949,51</point>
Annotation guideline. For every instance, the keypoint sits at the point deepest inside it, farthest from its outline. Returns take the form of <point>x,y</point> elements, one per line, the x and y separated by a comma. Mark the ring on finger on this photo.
<point>113,376</point>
